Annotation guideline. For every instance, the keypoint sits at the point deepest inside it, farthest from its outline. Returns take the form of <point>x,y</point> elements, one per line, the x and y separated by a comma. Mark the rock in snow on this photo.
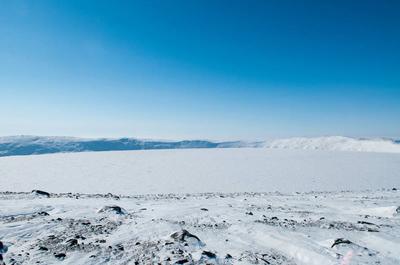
<point>60,256</point>
<point>341,241</point>
<point>113,208</point>
<point>183,235</point>
<point>41,193</point>
<point>3,248</point>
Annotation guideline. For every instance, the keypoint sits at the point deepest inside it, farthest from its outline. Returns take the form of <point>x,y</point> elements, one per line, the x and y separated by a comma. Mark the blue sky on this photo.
<point>200,69</point>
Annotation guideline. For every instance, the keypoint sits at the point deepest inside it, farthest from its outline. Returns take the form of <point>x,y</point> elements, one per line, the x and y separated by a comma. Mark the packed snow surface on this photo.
<point>201,206</point>
<point>200,170</point>
<point>339,228</point>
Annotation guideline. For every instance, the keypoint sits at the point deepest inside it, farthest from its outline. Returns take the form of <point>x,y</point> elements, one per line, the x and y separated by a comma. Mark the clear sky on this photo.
<point>200,69</point>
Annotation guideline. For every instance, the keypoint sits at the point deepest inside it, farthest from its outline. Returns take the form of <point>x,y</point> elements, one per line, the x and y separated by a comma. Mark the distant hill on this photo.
<point>337,143</point>
<point>29,145</point>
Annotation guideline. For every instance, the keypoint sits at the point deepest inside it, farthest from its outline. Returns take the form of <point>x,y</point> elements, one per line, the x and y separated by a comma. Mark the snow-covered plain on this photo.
<point>245,206</point>
<point>200,170</point>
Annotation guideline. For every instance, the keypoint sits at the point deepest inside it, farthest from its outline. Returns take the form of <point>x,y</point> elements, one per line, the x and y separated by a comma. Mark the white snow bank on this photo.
<point>336,143</point>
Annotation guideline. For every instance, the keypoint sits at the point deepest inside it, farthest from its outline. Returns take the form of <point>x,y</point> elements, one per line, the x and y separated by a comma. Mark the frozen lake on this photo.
<point>200,170</point>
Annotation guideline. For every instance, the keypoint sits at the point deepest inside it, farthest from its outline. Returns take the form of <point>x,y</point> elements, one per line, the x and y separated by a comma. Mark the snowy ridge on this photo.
<point>337,143</point>
<point>29,145</point>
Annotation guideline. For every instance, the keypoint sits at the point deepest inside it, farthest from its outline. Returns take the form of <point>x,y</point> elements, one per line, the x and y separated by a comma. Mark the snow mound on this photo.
<point>336,143</point>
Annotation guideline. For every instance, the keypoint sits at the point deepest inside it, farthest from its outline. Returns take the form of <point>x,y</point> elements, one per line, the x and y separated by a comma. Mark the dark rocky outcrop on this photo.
<point>3,248</point>
<point>72,242</point>
<point>209,254</point>
<point>41,193</point>
<point>183,235</point>
<point>341,241</point>
<point>41,248</point>
<point>113,208</point>
<point>60,256</point>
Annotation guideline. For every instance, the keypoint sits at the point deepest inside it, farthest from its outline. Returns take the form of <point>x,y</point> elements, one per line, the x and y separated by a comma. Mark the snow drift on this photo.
<point>337,143</point>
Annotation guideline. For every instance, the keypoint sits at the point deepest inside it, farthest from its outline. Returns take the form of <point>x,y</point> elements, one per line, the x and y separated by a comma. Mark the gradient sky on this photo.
<point>200,69</point>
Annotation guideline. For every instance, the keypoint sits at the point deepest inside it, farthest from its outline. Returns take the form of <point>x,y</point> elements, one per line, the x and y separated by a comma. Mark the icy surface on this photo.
<point>352,228</point>
<point>200,170</point>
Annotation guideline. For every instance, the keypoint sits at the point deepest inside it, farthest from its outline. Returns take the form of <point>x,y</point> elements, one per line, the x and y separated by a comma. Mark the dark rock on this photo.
<point>204,209</point>
<point>3,248</point>
<point>43,213</point>
<point>41,193</point>
<point>113,208</point>
<point>120,247</point>
<point>209,254</point>
<point>366,223</point>
<point>72,242</point>
<point>80,237</point>
<point>183,235</point>
<point>41,248</point>
<point>341,241</point>
<point>228,256</point>
<point>249,213</point>
<point>60,256</point>
<point>182,261</point>
<point>398,210</point>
